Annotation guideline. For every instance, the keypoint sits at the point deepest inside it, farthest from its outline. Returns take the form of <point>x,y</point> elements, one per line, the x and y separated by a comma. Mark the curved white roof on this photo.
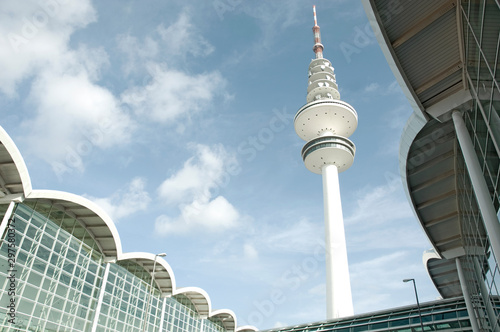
<point>163,274</point>
<point>443,273</point>
<point>199,298</point>
<point>15,183</point>
<point>14,176</point>
<point>227,317</point>
<point>246,328</point>
<point>89,215</point>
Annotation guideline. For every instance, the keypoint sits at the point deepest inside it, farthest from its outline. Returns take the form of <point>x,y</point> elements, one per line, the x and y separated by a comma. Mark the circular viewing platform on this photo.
<point>328,150</point>
<point>325,115</point>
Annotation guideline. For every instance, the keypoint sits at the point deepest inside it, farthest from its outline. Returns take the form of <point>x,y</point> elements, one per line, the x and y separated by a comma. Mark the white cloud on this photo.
<point>125,202</point>
<point>164,93</point>
<point>173,94</point>
<point>381,218</point>
<point>193,188</point>
<point>182,38</point>
<point>272,17</point>
<point>216,215</point>
<point>92,61</point>
<point>380,204</point>
<point>201,173</point>
<point>35,33</point>
<point>375,87</point>
<point>137,52</point>
<point>372,87</point>
<point>318,290</point>
<point>302,236</point>
<point>73,115</point>
<point>386,273</point>
<point>250,252</point>
<point>397,118</point>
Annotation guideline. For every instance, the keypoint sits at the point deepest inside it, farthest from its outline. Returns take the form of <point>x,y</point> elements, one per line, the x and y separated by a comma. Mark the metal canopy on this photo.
<point>95,221</point>
<point>198,297</point>
<point>94,226</point>
<point>423,44</point>
<point>163,274</point>
<point>226,317</point>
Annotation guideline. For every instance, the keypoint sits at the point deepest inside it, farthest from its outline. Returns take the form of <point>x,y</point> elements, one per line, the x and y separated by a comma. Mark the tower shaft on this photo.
<point>325,122</point>
<point>338,284</point>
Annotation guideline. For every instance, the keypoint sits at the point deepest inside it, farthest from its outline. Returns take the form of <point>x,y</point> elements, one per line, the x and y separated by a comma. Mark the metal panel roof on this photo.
<point>90,216</point>
<point>163,273</point>
<point>423,44</point>
<point>422,41</point>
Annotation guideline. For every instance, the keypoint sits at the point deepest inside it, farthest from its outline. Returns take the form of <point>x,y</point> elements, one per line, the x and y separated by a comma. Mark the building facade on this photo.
<point>445,56</point>
<point>62,268</point>
<point>445,315</point>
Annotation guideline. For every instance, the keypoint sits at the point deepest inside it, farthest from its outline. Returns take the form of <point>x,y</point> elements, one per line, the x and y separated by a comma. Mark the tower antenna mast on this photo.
<point>318,47</point>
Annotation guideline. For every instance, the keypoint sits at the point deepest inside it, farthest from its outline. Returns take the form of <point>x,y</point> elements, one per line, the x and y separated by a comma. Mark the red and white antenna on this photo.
<point>318,47</point>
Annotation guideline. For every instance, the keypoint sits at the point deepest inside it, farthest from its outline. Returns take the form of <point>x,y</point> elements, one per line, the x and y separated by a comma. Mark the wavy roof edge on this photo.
<point>102,228</point>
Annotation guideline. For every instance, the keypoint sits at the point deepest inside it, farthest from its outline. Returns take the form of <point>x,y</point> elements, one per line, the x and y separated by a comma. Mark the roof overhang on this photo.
<point>227,317</point>
<point>423,44</point>
<point>15,186</point>
<point>163,273</point>
<point>97,223</point>
<point>199,298</point>
<point>14,177</point>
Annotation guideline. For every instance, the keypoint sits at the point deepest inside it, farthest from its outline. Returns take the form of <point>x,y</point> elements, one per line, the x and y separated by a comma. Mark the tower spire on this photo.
<point>318,47</point>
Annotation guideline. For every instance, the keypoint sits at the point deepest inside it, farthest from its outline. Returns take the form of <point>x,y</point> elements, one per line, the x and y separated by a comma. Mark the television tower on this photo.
<point>325,123</point>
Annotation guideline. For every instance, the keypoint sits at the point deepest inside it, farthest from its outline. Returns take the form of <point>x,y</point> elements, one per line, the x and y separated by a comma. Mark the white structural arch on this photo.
<point>15,187</point>
<point>14,176</point>
<point>164,275</point>
<point>199,298</point>
<point>246,328</point>
<point>227,317</point>
<point>89,215</point>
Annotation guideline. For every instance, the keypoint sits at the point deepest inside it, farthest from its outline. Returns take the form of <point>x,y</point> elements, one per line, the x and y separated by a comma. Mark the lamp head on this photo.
<point>162,254</point>
<point>406,280</point>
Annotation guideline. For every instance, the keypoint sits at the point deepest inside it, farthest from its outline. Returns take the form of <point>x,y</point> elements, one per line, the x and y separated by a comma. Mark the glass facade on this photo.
<point>124,303</point>
<point>58,276</point>
<point>481,29</point>
<point>62,281</point>
<point>443,315</point>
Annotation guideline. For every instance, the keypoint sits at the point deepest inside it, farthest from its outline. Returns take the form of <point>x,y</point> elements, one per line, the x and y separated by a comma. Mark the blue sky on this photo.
<point>177,118</point>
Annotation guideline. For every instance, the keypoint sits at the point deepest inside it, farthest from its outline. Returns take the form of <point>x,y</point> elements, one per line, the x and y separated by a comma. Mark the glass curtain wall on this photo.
<point>481,30</point>
<point>59,275</point>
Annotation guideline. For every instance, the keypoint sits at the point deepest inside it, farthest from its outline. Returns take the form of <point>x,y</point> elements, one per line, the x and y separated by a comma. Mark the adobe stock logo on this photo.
<point>32,25</point>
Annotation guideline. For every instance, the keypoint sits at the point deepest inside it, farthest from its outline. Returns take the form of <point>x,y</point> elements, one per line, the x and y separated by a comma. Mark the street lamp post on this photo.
<point>146,313</point>
<point>418,304</point>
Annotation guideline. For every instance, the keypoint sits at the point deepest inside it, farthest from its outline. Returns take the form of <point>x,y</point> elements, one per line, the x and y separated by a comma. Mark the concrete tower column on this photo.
<point>338,284</point>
